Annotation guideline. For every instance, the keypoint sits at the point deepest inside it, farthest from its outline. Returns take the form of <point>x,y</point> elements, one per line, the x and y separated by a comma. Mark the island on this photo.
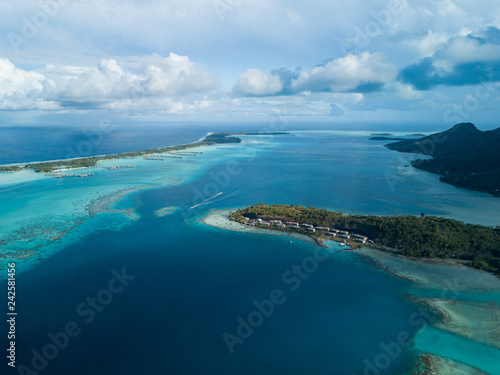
<point>383,138</point>
<point>463,156</point>
<point>86,162</point>
<point>413,236</point>
<point>89,162</point>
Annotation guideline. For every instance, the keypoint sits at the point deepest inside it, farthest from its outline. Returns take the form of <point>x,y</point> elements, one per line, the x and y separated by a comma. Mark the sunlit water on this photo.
<point>192,282</point>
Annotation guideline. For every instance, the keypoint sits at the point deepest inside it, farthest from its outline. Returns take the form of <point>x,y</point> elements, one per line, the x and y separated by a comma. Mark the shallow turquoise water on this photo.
<point>483,296</point>
<point>458,348</point>
<point>193,282</point>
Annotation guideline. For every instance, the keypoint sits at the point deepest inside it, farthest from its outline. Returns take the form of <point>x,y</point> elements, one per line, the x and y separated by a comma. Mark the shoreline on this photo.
<point>99,156</point>
<point>401,235</point>
<point>217,138</point>
<point>92,161</point>
<point>218,219</point>
<point>460,280</point>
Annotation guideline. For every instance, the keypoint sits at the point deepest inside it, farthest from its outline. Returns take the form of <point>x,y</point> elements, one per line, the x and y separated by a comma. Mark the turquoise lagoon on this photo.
<point>194,283</point>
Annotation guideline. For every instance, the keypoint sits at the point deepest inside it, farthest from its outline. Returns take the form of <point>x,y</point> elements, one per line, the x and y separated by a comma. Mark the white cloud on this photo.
<point>21,89</point>
<point>466,49</point>
<point>115,66</point>
<point>428,44</point>
<point>347,73</point>
<point>154,76</point>
<point>255,82</point>
<point>177,75</point>
<point>403,91</point>
<point>139,83</point>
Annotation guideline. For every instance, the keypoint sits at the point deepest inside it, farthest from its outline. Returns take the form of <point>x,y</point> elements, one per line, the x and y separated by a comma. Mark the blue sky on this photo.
<point>428,61</point>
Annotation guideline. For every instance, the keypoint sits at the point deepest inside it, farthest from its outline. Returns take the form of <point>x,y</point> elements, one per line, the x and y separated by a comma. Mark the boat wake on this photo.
<point>206,201</point>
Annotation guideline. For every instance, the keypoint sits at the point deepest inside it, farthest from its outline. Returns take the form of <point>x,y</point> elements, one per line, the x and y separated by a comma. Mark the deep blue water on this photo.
<point>20,144</point>
<point>193,282</point>
<point>190,286</point>
<point>27,144</point>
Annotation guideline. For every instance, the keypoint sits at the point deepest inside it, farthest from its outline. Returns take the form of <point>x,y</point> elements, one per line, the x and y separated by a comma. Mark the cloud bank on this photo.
<point>462,60</point>
<point>150,77</point>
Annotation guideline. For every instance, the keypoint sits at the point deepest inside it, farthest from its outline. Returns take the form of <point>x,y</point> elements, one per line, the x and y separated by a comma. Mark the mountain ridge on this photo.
<point>463,156</point>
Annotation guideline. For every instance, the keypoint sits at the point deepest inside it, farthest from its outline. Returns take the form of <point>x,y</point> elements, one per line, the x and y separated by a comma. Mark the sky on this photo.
<point>336,61</point>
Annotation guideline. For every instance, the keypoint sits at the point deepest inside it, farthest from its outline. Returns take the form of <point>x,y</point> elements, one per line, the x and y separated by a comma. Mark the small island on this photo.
<point>89,162</point>
<point>383,138</point>
<point>414,236</point>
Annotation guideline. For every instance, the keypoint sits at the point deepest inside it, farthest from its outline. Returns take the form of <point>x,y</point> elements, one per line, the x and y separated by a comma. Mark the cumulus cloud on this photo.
<point>404,91</point>
<point>427,44</point>
<point>353,73</point>
<point>361,73</point>
<point>461,50</point>
<point>463,60</point>
<point>257,83</point>
<point>21,89</point>
<point>109,85</point>
<point>172,76</point>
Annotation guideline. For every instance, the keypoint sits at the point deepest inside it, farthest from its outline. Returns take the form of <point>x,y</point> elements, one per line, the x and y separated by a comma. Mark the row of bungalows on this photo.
<point>344,234</point>
<point>330,232</point>
<point>333,232</point>
<point>292,224</point>
<point>278,223</point>
<point>308,227</point>
<point>359,238</point>
<point>339,233</point>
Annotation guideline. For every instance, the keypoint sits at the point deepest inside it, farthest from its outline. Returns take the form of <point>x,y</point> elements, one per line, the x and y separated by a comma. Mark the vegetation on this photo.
<point>14,168</point>
<point>49,166</point>
<point>424,236</point>
<point>217,138</point>
<point>463,155</point>
<point>270,133</point>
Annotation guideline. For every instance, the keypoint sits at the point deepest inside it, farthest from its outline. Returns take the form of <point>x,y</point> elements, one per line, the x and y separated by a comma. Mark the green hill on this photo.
<point>463,155</point>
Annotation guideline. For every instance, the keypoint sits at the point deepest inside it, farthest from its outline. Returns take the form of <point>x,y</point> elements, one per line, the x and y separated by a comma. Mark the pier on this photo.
<point>115,167</point>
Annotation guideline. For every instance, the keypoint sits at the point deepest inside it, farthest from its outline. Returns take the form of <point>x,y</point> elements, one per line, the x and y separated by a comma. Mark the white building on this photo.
<point>323,229</point>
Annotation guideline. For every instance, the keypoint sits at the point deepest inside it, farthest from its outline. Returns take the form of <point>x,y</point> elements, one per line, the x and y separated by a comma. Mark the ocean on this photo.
<point>114,287</point>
